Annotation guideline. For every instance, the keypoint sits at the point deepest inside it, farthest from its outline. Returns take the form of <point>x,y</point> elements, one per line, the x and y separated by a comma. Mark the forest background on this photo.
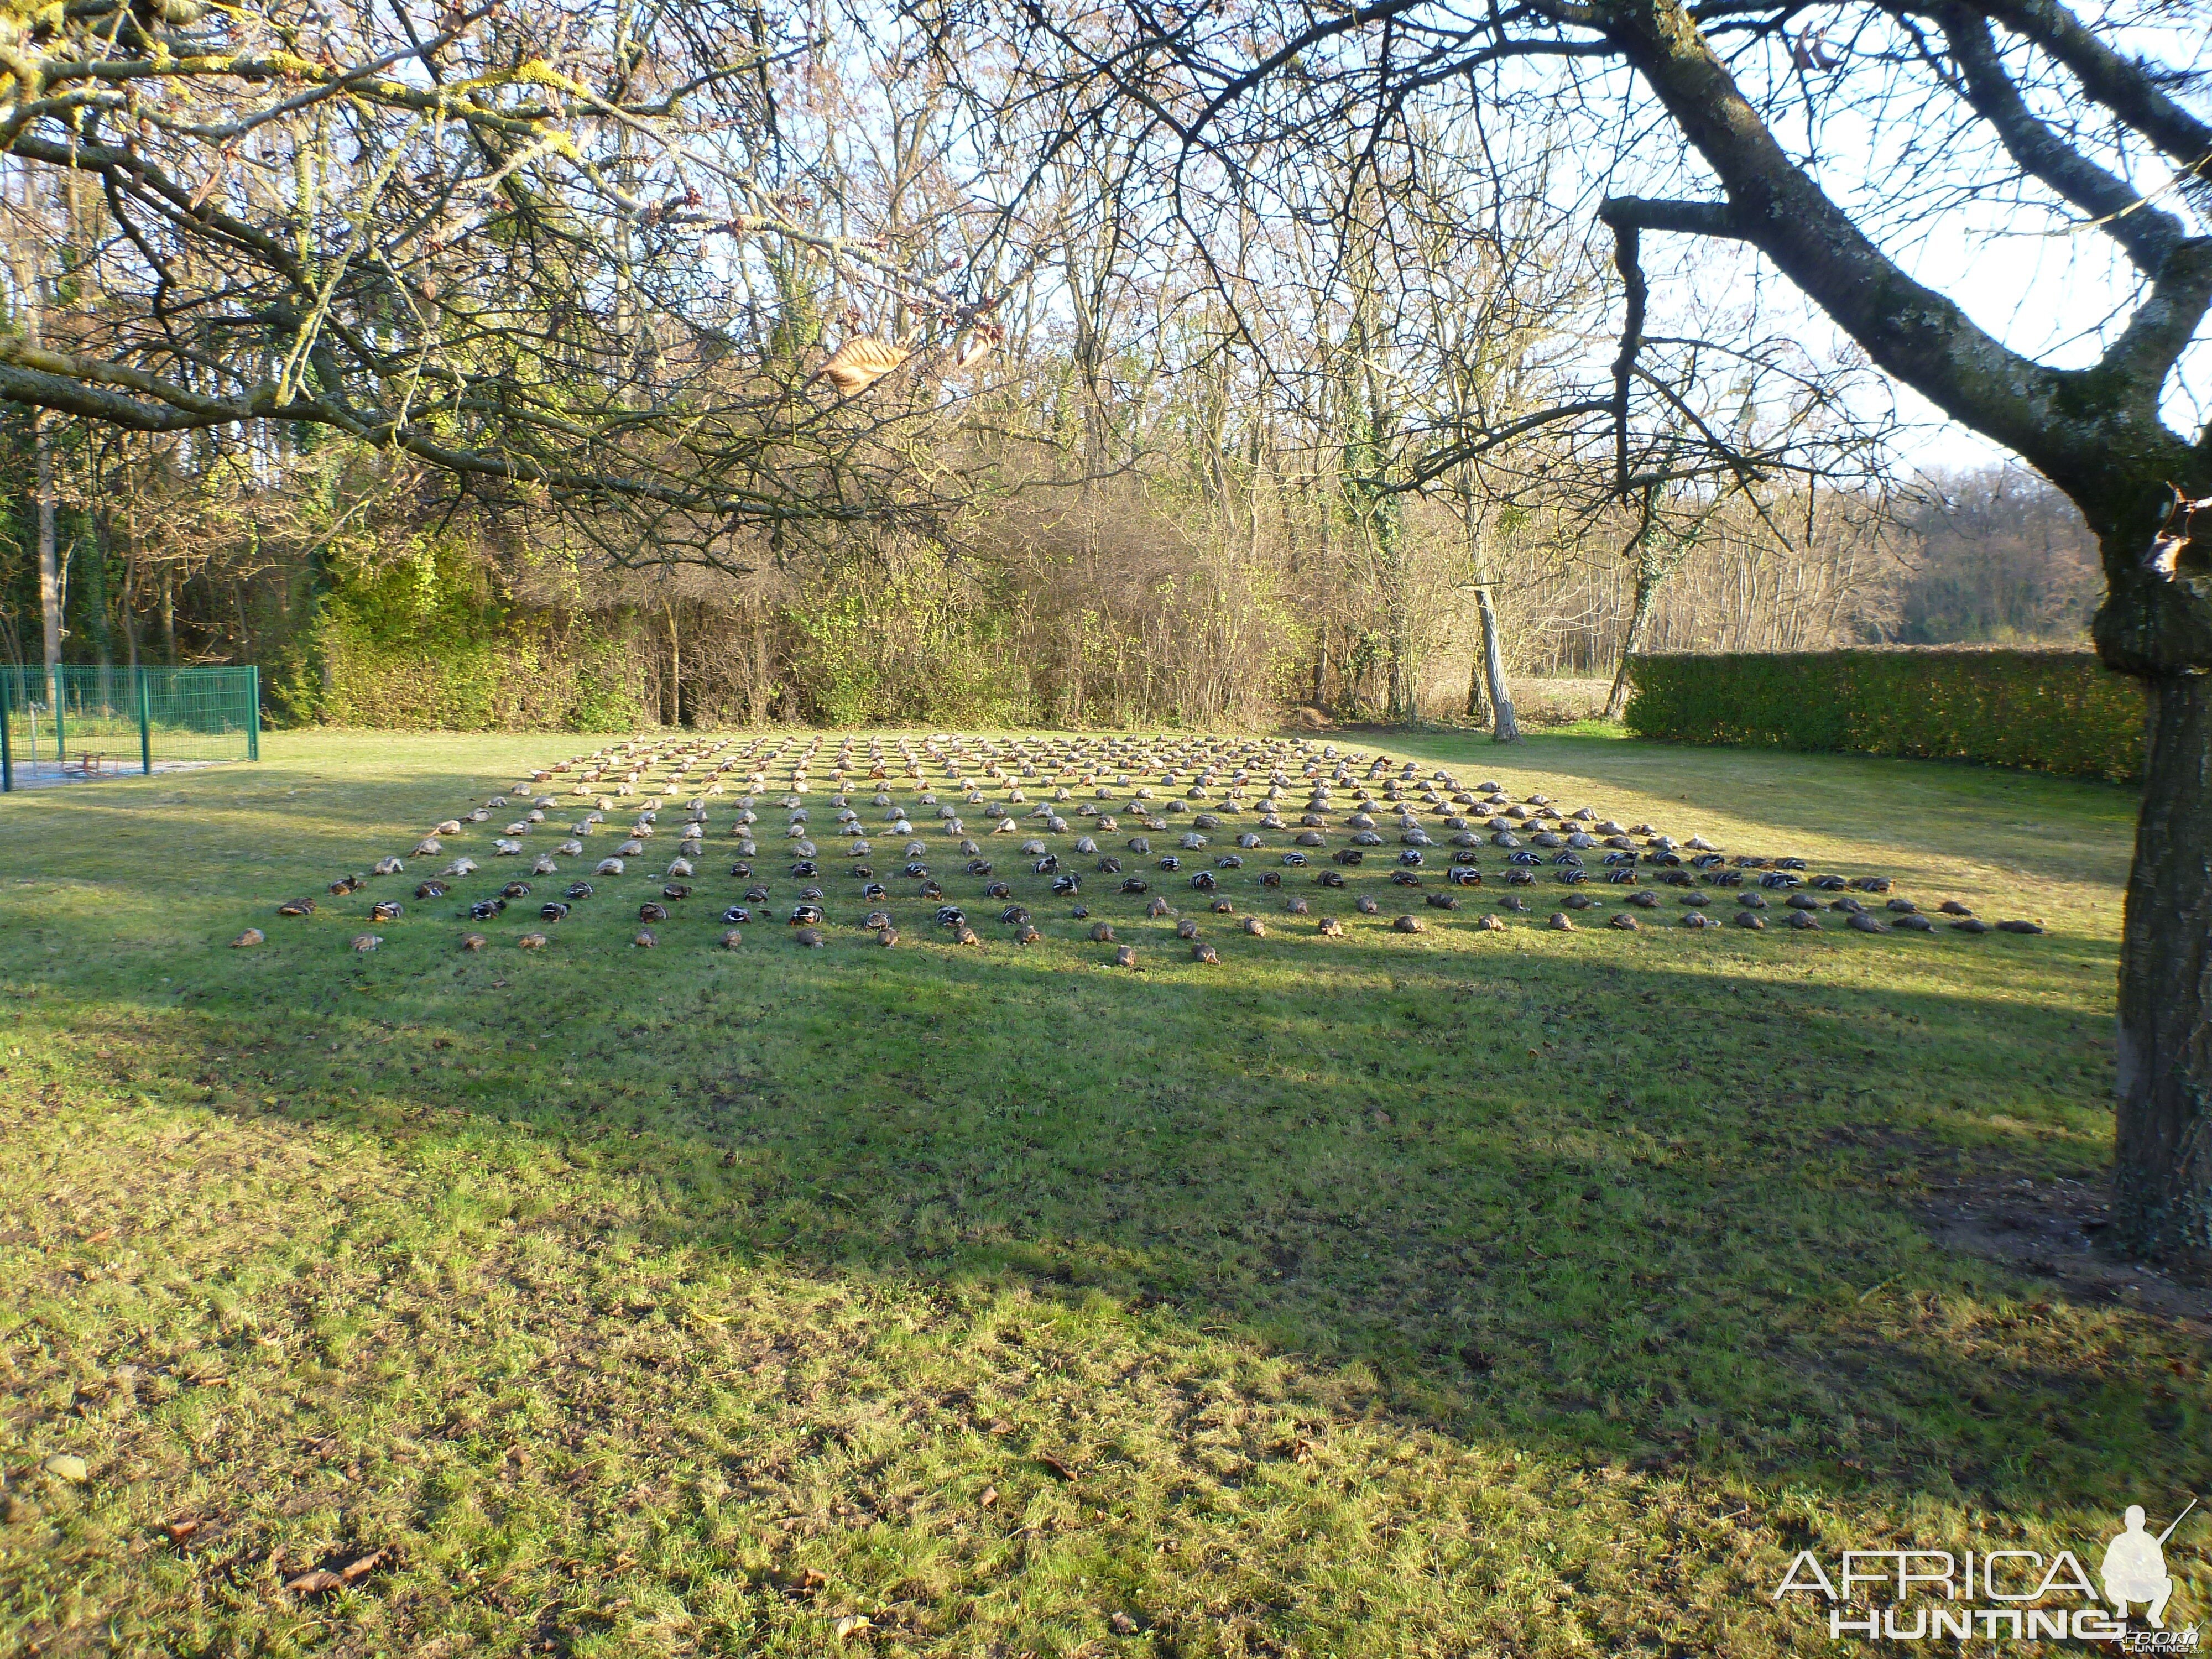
<point>1163,490</point>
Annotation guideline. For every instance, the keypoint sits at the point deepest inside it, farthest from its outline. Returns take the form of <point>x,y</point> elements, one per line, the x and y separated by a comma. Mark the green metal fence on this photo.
<point>66,725</point>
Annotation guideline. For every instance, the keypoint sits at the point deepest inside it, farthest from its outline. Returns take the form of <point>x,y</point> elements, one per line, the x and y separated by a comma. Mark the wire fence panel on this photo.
<point>79,722</point>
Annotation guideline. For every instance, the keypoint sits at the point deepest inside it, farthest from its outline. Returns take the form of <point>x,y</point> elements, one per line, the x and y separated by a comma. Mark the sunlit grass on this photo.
<point>1528,1293</point>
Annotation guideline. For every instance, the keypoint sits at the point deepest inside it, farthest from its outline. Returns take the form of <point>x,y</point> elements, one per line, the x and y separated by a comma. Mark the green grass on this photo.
<point>1519,1294</point>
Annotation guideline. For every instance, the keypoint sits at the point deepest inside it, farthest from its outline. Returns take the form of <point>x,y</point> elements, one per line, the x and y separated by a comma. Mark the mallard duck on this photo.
<point>1329,927</point>
<point>809,939</point>
<point>485,909</point>
<point>296,908</point>
<point>1971,925</point>
<point>1489,924</point>
<point>385,910</point>
<point>431,889</point>
<point>428,847</point>
<point>675,889</point>
<point>1102,933</point>
<point>387,866</point>
<point>532,942</point>
<point>460,869</point>
<point>1697,919</point>
<point>1750,919</point>
<point>553,910</point>
<point>1201,952</point>
<point>1410,925</point>
<point>473,941</point>
<point>1865,921</point>
<point>1026,934</point>
<point>1125,956</point>
<point>1441,901</point>
<point>250,938</point>
<point>1644,901</point>
<point>1914,923</point>
<point>345,884</point>
<point>646,939</point>
<point>1255,926</point>
<point>364,943</point>
<point>1952,908</point>
<point>515,890</point>
<point>2019,926</point>
<point>1804,921</point>
<point>608,867</point>
<point>887,937</point>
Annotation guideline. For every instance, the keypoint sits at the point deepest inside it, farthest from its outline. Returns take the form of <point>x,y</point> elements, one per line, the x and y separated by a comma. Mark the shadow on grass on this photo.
<point>1642,1199</point>
<point>1649,1213</point>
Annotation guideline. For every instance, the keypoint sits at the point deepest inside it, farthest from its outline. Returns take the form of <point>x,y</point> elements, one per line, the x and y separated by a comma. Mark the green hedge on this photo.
<point>2043,711</point>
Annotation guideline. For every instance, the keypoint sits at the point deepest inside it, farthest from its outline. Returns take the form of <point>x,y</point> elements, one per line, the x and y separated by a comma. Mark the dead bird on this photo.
<point>650,911</point>
<point>1411,924</point>
<point>887,937</point>
<point>385,910</point>
<point>532,942</point>
<point>297,908</point>
<point>345,884</point>
<point>364,943</point>
<point>1125,957</point>
<point>1366,905</point>
<point>1914,922</point>
<point>1102,933</point>
<point>1971,925</point>
<point>1560,923</point>
<point>1513,902</point>
<point>1621,919</point>
<point>1489,924</point>
<point>1750,919</point>
<point>1952,908</point>
<point>1865,921</point>
<point>473,941</point>
<point>646,939</point>
<point>1644,901</point>
<point>808,939</point>
<point>1697,919</point>
<point>1187,928</point>
<point>250,937</point>
<point>387,867</point>
<point>1804,921</point>
<point>431,889</point>
<point>1201,952</point>
<point>2018,927</point>
<point>1329,927</point>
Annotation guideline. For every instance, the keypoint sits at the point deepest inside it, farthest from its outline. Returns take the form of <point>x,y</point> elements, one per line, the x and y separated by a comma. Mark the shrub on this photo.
<point>2043,711</point>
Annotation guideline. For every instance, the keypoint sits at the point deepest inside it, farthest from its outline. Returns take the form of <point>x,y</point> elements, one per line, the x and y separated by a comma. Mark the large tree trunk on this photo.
<point>50,581</point>
<point>1505,727</point>
<point>1639,622</point>
<point>2163,1181</point>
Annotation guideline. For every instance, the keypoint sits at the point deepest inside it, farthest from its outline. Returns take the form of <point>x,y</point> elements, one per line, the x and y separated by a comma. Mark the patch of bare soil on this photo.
<point>2060,1231</point>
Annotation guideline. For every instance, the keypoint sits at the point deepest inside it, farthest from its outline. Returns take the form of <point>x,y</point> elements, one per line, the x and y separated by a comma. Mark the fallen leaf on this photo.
<point>990,1495</point>
<point>1302,1452</point>
<point>66,1466</point>
<point>100,1237</point>
<point>368,1563</point>
<point>180,1530</point>
<point>851,1625</point>
<point>1057,1466</point>
<point>315,1583</point>
<point>1122,1624</point>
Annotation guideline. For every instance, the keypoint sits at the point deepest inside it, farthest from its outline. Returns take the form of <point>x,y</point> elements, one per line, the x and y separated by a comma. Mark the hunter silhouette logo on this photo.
<point>2135,1567</point>
<point>2011,1594</point>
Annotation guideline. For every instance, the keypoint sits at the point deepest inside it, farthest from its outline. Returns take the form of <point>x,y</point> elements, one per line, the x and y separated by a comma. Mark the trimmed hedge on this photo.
<point>2043,711</point>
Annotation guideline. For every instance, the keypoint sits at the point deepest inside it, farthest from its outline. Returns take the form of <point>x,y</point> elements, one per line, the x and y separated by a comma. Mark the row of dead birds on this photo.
<point>1202,766</point>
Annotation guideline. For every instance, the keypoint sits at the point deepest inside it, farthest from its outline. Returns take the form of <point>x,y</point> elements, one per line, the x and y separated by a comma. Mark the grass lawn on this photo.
<point>1520,1293</point>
